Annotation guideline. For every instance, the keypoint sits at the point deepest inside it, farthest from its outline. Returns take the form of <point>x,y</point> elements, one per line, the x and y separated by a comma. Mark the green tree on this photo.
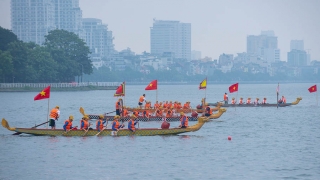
<point>71,54</point>
<point>6,37</point>
<point>6,66</point>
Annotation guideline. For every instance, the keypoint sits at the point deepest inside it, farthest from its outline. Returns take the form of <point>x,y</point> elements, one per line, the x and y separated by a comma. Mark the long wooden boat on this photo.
<point>107,132</point>
<point>153,118</point>
<point>258,105</point>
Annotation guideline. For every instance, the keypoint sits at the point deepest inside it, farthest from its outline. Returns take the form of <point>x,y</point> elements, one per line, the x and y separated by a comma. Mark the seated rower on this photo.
<point>233,101</point>
<point>68,124</point>
<point>132,123</point>
<point>115,124</point>
<point>249,101</point>
<point>169,113</point>
<point>241,101</point>
<point>184,120</point>
<point>284,101</point>
<point>208,111</point>
<point>156,105</point>
<point>125,112</point>
<point>84,124</point>
<point>264,101</point>
<point>159,112</point>
<point>256,101</point>
<point>100,122</point>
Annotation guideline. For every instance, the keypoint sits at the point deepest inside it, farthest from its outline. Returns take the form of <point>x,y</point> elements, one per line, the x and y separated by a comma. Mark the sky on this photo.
<point>217,26</point>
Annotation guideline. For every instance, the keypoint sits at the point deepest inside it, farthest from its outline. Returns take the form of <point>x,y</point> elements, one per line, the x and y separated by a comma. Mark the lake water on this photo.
<point>267,143</point>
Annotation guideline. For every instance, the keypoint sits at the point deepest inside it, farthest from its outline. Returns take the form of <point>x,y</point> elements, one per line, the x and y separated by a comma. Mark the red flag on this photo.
<point>120,90</point>
<point>44,94</point>
<point>313,89</point>
<point>233,88</point>
<point>153,85</point>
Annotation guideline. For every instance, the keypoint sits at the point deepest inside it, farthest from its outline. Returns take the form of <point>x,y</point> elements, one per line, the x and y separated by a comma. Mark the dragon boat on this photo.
<point>153,118</point>
<point>107,132</point>
<point>259,104</point>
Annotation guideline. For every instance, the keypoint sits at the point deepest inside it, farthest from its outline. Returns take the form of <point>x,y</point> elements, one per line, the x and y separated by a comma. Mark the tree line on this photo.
<point>61,58</point>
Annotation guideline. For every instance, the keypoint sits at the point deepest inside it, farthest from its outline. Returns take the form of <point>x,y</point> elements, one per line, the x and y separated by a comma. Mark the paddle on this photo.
<point>17,133</point>
<point>65,133</point>
<point>86,131</point>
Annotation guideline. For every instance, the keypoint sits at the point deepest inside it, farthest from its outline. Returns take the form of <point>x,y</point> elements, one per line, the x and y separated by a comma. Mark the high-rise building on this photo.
<point>171,36</point>
<point>297,44</point>
<point>97,38</point>
<point>297,58</point>
<point>264,46</point>
<point>32,20</point>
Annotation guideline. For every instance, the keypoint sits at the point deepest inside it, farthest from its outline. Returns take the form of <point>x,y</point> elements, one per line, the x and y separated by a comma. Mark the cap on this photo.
<point>116,117</point>
<point>181,113</point>
<point>101,116</point>
<point>133,116</point>
<point>71,117</point>
<point>57,107</point>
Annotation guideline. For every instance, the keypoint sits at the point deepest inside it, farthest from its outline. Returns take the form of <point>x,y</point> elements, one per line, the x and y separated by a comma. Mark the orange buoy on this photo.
<point>229,138</point>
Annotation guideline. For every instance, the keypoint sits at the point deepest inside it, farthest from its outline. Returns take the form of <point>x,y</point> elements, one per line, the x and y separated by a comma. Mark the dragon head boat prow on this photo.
<point>297,101</point>
<point>5,124</point>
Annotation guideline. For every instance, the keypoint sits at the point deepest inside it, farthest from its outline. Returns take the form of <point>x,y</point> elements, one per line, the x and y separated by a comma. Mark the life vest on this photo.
<point>186,106</point>
<point>85,124</point>
<point>117,105</point>
<point>131,125</point>
<point>165,105</point>
<point>146,113</point>
<point>169,113</point>
<point>147,106</point>
<point>179,106</point>
<point>185,123</point>
<point>209,110</point>
<point>240,101</point>
<point>264,101</point>
<point>233,101</point>
<point>125,112</point>
<point>141,99</point>
<point>225,97</point>
<point>159,113</point>
<point>248,101</point>
<point>284,100</point>
<point>156,105</point>
<point>101,124</point>
<point>54,113</point>
<point>136,113</point>
<point>115,124</point>
<point>69,124</point>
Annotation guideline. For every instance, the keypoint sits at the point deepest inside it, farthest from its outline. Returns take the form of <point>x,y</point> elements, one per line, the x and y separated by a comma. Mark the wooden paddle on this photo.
<point>86,131</point>
<point>17,133</point>
<point>65,133</point>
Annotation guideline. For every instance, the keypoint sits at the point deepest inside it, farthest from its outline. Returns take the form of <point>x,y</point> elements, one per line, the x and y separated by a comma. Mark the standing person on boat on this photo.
<point>184,120</point>
<point>68,124</point>
<point>132,123</point>
<point>84,124</point>
<point>118,107</point>
<point>264,101</point>
<point>125,112</point>
<point>54,115</point>
<point>115,124</point>
<point>208,111</point>
<point>225,98</point>
<point>141,100</point>
<point>100,122</point>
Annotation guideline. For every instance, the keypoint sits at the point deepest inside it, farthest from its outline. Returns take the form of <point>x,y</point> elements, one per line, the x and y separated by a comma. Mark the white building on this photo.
<point>31,20</point>
<point>171,36</point>
<point>97,38</point>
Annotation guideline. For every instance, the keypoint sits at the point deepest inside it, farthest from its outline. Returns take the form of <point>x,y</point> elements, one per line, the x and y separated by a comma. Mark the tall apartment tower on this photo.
<point>32,20</point>
<point>98,38</point>
<point>264,46</point>
<point>171,36</point>
<point>297,44</point>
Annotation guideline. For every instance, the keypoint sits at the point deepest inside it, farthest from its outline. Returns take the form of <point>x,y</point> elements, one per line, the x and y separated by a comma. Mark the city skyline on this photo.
<point>217,27</point>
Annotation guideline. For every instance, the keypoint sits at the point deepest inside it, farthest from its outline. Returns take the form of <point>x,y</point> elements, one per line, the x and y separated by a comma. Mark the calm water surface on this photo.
<point>267,143</point>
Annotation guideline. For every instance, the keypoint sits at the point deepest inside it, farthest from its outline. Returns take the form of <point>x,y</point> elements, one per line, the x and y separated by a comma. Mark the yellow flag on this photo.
<point>203,84</point>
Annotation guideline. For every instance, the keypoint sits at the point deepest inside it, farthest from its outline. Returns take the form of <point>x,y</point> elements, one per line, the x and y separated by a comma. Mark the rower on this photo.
<point>249,101</point>
<point>208,111</point>
<point>184,120</point>
<point>68,124</point>
<point>241,101</point>
<point>264,101</point>
<point>233,101</point>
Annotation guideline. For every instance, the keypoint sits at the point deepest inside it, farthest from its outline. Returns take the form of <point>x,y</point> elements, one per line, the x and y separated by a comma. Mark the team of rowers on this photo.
<point>256,101</point>
<point>116,126</point>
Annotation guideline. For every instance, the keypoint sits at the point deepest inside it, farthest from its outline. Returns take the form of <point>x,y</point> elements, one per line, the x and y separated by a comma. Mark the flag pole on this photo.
<point>317,96</point>
<point>277,96</point>
<point>157,94</point>
<point>48,113</point>
<point>235,107</point>
<point>205,91</point>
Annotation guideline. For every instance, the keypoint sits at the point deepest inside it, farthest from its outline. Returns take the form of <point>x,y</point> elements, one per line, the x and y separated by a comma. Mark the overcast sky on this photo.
<point>217,26</point>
